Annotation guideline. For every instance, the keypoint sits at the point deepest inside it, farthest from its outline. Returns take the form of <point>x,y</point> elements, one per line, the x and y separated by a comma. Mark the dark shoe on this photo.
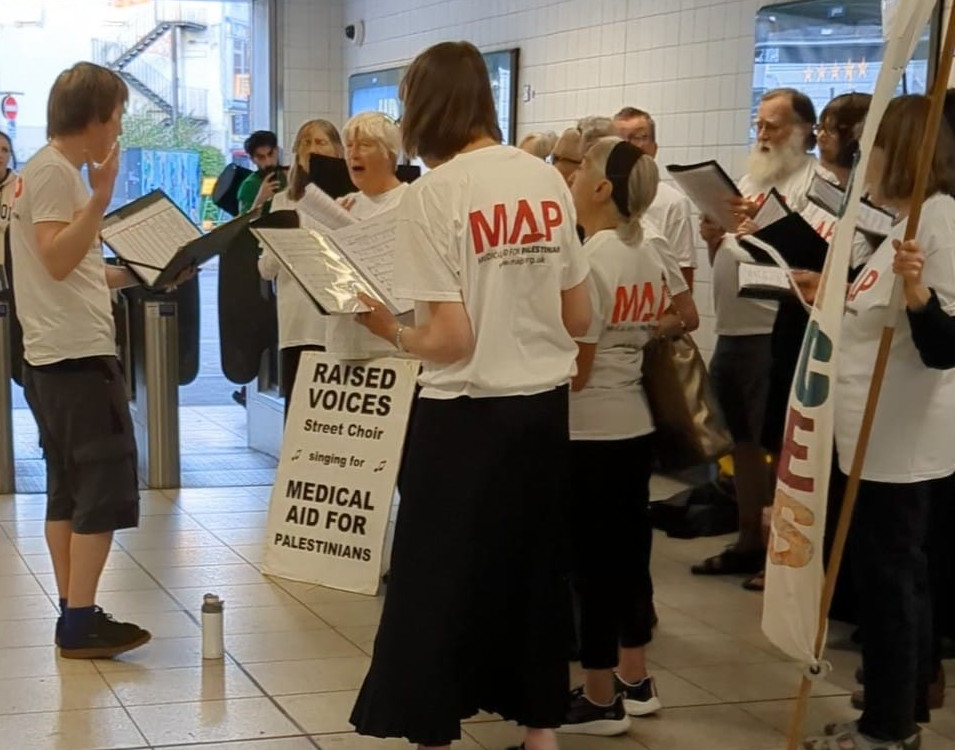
<point>239,396</point>
<point>58,633</point>
<point>756,582</point>
<point>105,638</point>
<point>730,562</point>
<point>640,699</point>
<point>585,717</point>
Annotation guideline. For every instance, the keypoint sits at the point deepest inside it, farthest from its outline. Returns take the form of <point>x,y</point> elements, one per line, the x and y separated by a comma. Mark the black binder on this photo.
<point>795,240</point>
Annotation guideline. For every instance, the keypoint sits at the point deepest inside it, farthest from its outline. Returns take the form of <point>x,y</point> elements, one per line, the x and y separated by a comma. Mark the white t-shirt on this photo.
<point>346,337</point>
<point>67,319</point>
<point>630,289</point>
<point>7,186</point>
<point>670,214</point>
<point>743,316</point>
<point>300,321</point>
<point>495,229</point>
<point>912,436</point>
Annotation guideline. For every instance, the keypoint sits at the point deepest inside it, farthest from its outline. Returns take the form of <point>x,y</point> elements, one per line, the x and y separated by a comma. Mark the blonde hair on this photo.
<point>539,144</point>
<point>298,178</point>
<point>380,128</point>
<point>642,183</point>
<point>592,128</point>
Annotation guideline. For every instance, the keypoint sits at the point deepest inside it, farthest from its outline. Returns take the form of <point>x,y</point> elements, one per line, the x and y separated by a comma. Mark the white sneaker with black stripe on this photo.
<point>639,699</point>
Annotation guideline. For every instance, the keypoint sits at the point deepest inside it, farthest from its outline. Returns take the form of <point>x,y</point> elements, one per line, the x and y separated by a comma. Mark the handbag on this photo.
<point>690,428</point>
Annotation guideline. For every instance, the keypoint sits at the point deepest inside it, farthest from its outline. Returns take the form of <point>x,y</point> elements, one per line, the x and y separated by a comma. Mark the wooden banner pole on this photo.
<point>837,553</point>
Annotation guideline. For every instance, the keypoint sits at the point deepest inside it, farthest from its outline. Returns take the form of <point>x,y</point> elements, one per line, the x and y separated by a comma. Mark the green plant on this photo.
<point>147,131</point>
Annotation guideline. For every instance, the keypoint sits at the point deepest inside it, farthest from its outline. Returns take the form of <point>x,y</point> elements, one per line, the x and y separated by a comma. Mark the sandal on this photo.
<point>730,562</point>
<point>756,583</point>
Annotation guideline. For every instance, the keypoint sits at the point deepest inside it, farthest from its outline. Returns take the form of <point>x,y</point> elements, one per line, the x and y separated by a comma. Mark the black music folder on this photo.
<point>157,241</point>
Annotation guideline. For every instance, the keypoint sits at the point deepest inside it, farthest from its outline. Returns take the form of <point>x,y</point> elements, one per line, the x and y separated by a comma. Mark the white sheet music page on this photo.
<point>147,240</point>
<point>318,267</point>
<point>710,189</point>
<point>318,206</point>
<point>370,245</point>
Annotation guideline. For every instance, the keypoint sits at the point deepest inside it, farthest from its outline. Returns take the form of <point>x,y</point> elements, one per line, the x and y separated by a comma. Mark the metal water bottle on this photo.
<point>213,646</point>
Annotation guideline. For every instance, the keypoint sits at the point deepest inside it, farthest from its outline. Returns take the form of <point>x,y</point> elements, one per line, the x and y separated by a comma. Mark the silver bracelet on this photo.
<point>399,344</point>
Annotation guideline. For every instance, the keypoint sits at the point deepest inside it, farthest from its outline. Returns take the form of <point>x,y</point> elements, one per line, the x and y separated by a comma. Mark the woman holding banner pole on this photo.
<point>910,454</point>
<point>477,613</point>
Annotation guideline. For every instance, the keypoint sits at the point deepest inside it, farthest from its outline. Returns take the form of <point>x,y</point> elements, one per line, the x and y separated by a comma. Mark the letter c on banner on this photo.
<point>812,388</point>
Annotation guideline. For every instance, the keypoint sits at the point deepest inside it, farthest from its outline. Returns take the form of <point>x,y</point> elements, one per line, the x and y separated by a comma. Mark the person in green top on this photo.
<point>258,188</point>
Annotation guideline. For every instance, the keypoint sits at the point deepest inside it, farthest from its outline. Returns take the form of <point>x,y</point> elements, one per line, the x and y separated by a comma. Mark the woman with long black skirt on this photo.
<point>476,615</point>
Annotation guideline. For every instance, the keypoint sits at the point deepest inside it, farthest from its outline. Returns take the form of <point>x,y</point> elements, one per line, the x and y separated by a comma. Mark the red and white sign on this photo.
<point>9,107</point>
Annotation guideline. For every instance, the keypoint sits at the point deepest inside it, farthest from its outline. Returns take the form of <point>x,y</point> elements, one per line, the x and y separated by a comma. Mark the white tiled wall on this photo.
<point>689,62</point>
<point>311,61</point>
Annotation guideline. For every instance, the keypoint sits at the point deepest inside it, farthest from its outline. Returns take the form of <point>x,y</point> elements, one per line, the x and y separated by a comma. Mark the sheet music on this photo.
<point>319,207</point>
<point>319,268</point>
<point>772,210</point>
<point>872,220</point>
<point>757,277</point>
<point>148,239</point>
<point>710,189</point>
<point>370,244</point>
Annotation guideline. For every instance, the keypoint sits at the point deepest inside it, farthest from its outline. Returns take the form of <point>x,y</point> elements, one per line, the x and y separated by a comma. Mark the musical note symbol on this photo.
<point>298,454</point>
<point>380,467</point>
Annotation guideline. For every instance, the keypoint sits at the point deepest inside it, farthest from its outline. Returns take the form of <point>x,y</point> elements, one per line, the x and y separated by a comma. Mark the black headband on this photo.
<point>620,163</point>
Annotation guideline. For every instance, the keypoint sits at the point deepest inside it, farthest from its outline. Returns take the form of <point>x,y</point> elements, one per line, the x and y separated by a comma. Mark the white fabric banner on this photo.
<point>794,567</point>
<point>336,478</point>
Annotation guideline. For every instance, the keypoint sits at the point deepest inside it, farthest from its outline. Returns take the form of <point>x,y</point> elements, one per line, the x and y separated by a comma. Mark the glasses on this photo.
<point>555,160</point>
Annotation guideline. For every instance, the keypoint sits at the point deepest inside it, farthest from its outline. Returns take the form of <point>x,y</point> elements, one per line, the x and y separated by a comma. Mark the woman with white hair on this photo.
<point>539,144</point>
<point>372,146</point>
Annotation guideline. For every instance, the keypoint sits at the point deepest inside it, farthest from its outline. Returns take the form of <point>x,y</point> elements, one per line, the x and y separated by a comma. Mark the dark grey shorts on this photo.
<point>87,437</point>
<point>739,373</point>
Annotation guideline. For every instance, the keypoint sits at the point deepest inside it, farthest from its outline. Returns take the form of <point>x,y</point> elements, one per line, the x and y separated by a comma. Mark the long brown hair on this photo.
<point>900,135</point>
<point>448,101</point>
<point>298,178</point>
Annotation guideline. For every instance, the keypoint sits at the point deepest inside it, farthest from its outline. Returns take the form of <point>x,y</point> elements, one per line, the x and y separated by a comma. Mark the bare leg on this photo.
<point>751,476</point>
<point>88,553</point>
<point>540,739</point>
<point>599,687</point>
<point>633,665</point>
<point>58,537</point>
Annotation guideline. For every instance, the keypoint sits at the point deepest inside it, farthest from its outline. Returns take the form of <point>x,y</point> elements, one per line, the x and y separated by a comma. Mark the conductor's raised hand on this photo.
<point>102,177</point>
<point>378,319</point>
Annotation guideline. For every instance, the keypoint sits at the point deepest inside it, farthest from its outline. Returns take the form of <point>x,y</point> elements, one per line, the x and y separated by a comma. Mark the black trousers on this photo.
<point>890,573</point>
<point>291,356</point>
<point>611,536</point>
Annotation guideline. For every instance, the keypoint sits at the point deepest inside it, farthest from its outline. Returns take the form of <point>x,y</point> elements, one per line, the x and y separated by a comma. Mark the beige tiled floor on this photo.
<point>297,653</point>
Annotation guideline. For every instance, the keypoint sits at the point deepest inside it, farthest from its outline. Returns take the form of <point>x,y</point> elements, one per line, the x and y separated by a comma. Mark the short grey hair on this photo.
<point>592,128</point>
<point>377,126</point>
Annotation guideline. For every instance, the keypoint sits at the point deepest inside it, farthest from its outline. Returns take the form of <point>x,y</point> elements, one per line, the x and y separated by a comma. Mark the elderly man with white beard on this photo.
<point>741,362</point>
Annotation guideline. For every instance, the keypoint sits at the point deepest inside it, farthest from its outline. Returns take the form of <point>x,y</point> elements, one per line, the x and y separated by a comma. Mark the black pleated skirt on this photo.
<point>477,613</point>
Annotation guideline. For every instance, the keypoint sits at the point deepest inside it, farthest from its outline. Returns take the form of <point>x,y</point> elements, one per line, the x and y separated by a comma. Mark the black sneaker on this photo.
<point>106,638</point>
<point>58,633</point>
<point>640,699</point>
<point>585,717</point>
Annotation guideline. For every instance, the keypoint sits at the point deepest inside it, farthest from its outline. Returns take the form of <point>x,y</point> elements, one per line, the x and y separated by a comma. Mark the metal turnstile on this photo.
<point>7,470</point>
<point>155,405</point>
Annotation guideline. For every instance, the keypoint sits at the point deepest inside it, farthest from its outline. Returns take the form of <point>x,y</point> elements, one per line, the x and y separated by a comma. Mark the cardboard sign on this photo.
<point>336,478</point>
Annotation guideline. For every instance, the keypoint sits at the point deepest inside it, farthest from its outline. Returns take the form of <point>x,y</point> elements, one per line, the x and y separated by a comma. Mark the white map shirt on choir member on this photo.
<point>910,441</point>
<point>494,228</point>
<point>742,316</point>
<point>630,288</point>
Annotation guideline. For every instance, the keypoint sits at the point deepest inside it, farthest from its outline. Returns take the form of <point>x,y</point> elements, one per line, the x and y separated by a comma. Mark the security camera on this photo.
<point>355,33</point>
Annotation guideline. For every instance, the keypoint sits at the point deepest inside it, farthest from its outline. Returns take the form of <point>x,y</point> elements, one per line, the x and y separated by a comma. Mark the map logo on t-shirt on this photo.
<point>511,232</point>
<point>637,303</point>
